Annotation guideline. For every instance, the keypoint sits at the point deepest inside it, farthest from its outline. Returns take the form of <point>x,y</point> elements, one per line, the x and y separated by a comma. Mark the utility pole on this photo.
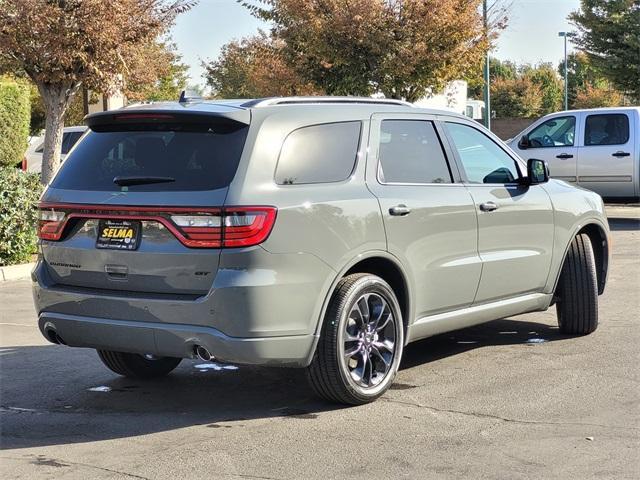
<point>487,94</point>
<point>566,75</point>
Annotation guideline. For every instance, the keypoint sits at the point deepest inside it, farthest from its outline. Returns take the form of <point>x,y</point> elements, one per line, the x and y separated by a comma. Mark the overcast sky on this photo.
<point>531,36</point>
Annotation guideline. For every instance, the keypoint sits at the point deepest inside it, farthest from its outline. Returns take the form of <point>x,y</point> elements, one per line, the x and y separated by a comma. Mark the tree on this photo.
<point>584,80</point>
<point>401,48</point>
<point>254,67</point>
<point>590,96</point>
<point>498,69</point>
<point>545,77</point>
<point>156,73</point>
<point>519,97</point>
<point>609,33</point>
<point>14,120</point>
<point>64,44</point>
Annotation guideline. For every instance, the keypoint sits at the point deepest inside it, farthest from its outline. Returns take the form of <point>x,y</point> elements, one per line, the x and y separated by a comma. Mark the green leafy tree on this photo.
<point>498,69</point>
<point>552,88</point>
<point>518,97</point>
<point>19,192</point>
<point>14,120</point>
<point>609,33</point>
<point>584,80</point>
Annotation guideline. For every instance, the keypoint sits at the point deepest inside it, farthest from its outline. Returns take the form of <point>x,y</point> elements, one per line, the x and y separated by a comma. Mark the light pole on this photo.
<point>487,79</point>
<point>566,75</point>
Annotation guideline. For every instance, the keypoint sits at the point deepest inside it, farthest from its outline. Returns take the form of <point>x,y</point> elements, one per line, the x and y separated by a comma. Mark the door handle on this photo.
<point>620,154</point>
<point>399,210</point>
<point>488,206</point>
<point>564,156</point>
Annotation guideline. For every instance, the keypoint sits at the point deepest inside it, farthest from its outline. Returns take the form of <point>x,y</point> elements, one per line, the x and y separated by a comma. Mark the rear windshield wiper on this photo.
<point>140,180</point>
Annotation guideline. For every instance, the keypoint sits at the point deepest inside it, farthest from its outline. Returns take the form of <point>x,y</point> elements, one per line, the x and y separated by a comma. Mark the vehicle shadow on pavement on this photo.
<point>624,224</point>
<point>53,395</point>
<point>495,333</point>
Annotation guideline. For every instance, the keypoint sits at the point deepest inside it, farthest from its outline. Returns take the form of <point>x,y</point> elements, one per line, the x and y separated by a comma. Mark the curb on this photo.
<point>16,272</point>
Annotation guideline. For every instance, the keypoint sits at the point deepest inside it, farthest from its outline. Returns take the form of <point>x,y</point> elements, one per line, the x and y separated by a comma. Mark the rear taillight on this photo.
<point>204,231</point>
<point>233,227</point>
<point>50,223</point>
<point>244,227</point>
<point>196,228</point>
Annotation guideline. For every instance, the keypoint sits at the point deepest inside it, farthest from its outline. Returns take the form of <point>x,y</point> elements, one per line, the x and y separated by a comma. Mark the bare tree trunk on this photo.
<point>56,99</point>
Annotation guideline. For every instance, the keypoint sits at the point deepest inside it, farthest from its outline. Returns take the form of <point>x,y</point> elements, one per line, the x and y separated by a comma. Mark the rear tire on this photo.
<point>577,290</point>
<point>360,344</point>
<point>133,365</point>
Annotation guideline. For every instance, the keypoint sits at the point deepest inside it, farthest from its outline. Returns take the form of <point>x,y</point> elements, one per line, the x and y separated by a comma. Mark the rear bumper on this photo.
<point>175,340</point>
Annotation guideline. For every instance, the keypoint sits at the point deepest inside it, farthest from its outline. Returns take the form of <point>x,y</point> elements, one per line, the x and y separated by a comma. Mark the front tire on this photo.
<point>133,365</point>
<point>360,344</point>
<point>577,290</point>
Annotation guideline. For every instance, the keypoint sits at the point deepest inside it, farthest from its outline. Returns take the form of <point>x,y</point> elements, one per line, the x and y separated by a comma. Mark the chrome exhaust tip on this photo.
<point>202,353</point>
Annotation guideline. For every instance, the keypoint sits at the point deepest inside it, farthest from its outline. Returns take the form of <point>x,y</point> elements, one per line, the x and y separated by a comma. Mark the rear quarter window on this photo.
<point>198,157</point>
<point>324,153</point>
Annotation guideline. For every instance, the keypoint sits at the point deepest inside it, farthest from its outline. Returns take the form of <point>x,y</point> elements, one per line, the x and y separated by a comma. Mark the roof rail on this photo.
<point>266,102</point>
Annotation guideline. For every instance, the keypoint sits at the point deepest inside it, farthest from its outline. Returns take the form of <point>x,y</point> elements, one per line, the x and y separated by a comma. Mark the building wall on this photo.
<point>506,128</point>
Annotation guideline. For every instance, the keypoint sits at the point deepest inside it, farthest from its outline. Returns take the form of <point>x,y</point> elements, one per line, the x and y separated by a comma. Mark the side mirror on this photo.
<point>524,143</point>
<point>537,172</point>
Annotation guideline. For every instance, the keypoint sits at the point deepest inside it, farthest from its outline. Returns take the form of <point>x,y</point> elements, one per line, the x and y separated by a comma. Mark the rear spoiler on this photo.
<point>217,115</point>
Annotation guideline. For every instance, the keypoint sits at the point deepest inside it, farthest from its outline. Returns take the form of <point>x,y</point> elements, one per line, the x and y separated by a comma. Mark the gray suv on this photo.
<point>322,233</point>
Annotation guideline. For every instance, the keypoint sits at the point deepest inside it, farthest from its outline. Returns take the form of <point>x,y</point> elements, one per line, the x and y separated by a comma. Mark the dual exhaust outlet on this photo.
<point>201,352</point>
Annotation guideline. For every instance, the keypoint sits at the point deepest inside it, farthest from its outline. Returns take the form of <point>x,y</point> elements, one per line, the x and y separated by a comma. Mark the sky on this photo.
<point>530,37</point>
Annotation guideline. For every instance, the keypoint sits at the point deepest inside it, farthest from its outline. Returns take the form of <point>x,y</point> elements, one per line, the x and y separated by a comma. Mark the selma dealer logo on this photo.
<point>117,233</point>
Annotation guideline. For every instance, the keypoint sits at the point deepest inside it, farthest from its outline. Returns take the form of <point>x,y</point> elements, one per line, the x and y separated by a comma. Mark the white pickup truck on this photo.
<point>598,149</point>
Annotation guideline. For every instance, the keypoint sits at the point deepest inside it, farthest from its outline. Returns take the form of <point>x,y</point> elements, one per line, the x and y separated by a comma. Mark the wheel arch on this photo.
<point>599,239</point>
<point>382,264</point>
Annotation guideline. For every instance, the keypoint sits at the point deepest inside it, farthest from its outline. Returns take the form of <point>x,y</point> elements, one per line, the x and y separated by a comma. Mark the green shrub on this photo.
<point>15,113</point>
<point>19,193</point>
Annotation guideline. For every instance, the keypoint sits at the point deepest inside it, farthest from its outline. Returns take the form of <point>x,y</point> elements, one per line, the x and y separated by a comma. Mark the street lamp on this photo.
<point>487,78</point>
<point>566,76</point>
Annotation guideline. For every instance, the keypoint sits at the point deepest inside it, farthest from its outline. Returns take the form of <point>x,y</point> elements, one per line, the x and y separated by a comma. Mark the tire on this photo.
<point>363,318</point>
<point>133,365</point>
<point>577,290</point>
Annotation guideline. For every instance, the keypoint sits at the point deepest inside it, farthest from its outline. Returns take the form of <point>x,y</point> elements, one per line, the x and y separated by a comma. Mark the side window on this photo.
<point>410,152</point>
<point>555,132</point>
<point>69,140</point>
<point>319,154</point>
<point>609,129</point>
<point>482,159</point>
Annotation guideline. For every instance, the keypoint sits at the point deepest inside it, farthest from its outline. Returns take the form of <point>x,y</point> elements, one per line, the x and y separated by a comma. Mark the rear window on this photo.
<point>606,129</point>
<point>194,157</point>
<point>319,154</point>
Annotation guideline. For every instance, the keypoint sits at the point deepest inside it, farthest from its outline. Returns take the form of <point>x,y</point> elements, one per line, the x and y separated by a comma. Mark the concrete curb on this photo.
<point>16,272</point>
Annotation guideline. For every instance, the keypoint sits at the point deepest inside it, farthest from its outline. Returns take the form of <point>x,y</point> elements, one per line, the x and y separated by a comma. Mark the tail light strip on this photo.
<point>232,226</point>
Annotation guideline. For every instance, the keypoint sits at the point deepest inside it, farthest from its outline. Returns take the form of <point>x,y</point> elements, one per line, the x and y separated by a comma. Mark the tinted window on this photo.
<point>482,159</point>
<point>410,152</point>
<point>198,158</point>
<point>555,132</point>
<point>319,154</point>
<point>610,129</point>
<point>69,139</point>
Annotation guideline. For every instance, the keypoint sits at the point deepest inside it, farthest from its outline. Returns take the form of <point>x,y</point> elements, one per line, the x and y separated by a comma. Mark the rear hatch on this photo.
<point>137,205</point>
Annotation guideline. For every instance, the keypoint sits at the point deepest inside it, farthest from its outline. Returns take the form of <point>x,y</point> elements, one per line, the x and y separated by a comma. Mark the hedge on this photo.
<point>19,193</point>
<point>15,113</point>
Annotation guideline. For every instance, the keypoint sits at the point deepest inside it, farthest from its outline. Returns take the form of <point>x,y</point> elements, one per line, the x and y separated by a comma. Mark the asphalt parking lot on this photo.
<point>509,399</point>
